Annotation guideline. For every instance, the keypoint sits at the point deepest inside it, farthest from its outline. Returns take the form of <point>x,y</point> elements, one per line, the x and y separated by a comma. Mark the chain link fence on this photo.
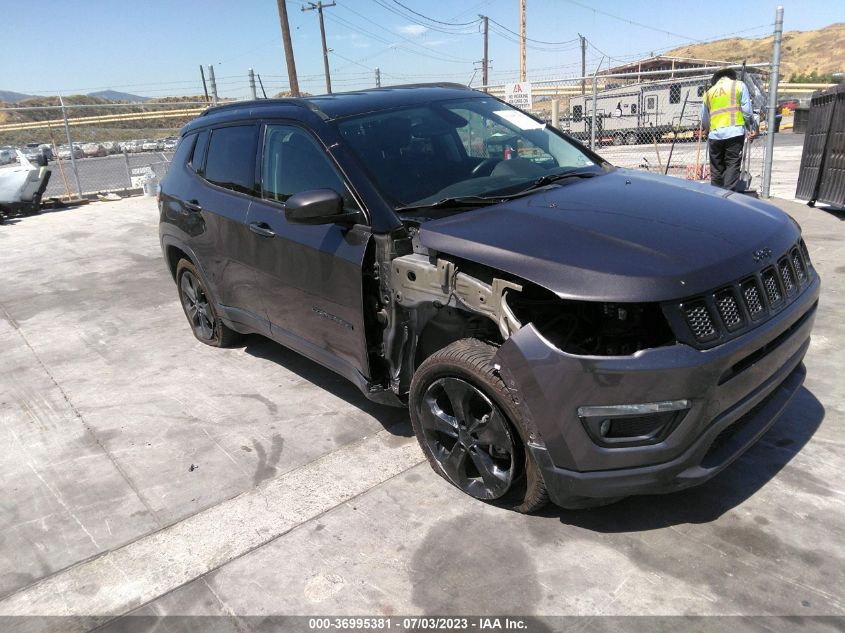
<point>96,148</point>
<point>647,121</point>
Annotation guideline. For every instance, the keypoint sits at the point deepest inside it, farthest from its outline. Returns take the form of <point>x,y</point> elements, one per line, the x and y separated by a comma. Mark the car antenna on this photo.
<point>261,83</point>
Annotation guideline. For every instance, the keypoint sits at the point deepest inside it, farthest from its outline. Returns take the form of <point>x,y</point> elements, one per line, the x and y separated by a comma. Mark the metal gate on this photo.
<point>821,177</point>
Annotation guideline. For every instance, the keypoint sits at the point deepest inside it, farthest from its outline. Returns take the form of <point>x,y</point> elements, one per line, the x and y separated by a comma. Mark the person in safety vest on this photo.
<point>727,117</point>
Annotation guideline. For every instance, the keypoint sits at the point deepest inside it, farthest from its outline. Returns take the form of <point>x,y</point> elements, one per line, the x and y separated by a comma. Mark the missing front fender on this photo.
<point>417,281</point>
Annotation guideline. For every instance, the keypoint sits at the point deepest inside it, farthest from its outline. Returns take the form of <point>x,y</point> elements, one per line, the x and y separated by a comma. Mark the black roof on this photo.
<point>345,104</point>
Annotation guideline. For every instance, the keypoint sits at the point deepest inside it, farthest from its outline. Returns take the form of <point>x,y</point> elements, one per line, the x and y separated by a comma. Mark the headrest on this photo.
<point>394,133</point>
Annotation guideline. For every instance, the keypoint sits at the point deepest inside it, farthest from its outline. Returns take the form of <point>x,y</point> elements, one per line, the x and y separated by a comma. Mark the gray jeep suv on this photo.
<point>560,329</point>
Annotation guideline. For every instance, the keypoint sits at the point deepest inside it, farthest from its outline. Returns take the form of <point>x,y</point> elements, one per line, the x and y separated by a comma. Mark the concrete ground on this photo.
<point>147,474</point>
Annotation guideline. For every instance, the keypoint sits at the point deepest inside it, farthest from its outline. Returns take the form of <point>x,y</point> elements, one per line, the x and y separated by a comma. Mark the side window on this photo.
<point>294,162</point>
<point>633,108</point>
<point>650,103</point>
<point>230,162</point>
<point>198,155</point>
<point>577,112</point>
<point>183,150</point>
<point>675,93</point>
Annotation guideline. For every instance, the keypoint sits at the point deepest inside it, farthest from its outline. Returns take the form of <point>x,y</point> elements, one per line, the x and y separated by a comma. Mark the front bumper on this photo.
<point>741,386</point>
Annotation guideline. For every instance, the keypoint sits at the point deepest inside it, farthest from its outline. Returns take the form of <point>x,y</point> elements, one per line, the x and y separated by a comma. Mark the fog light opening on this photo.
<point>632,424</point>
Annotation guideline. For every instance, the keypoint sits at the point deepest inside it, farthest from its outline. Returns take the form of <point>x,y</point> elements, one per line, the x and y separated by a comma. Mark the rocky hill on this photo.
<point>802,52</point>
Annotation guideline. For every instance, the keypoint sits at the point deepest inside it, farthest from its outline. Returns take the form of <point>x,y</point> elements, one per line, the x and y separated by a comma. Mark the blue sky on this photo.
<point>155,47</point>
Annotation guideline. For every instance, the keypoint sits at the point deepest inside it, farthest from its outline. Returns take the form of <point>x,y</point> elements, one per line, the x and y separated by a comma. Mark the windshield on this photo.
<point>474,147</point>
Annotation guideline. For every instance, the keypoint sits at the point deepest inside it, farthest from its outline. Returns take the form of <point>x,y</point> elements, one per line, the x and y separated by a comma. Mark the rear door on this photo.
<point>310,276</point>
<point>223,200</point>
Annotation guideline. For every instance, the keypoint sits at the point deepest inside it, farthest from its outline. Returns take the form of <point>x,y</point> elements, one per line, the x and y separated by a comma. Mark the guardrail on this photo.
<point>108,118</point>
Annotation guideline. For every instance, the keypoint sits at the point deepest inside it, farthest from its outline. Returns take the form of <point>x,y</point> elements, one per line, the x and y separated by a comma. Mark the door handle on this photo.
<point>192,205</point>
<point>262,229</point>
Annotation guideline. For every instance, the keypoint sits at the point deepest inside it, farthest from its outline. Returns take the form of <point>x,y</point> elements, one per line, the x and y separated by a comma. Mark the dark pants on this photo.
<point>725,161</point>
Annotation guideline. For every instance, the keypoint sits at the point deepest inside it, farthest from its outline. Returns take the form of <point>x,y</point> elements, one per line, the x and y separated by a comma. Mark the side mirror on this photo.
<point>318,206</point>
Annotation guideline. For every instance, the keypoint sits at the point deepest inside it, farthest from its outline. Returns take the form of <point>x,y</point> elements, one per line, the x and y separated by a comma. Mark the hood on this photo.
<point>623,236</point>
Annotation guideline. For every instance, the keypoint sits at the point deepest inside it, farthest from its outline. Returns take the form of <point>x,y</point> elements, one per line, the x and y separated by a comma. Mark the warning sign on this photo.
<point>519,95</point>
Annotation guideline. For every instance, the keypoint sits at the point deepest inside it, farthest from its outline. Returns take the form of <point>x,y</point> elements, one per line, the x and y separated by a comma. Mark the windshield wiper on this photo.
<point>548,179</point>
<point>457,201</point>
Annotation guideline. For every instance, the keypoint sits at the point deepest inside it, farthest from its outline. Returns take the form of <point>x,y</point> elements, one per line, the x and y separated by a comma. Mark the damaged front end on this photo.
<point>430,300</point>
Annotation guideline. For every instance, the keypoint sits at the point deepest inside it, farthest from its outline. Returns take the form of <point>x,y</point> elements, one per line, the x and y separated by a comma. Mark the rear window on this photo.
<point>198,156</point>
<point>230,162</point>
<point>183,151</point>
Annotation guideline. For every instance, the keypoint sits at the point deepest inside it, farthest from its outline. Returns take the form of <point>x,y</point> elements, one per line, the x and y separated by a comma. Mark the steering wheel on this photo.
<point>485,167</point>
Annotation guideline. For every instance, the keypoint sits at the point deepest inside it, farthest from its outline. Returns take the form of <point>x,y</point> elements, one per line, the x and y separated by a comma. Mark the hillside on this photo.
<point>12,97</point>
<point>117,130</point>
<point>822,50</point>
<point>114,95</point>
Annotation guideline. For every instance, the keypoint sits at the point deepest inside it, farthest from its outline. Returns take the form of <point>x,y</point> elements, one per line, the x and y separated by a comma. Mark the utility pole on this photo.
<point>378,77</point>
<point>319,8</point>
<point>252,84</point>
<point>291,64</point>
<point>213,85</point>
<point>583,63</point>
<point>485,62</point>
<point>522,40</point>
<point>204,87</point>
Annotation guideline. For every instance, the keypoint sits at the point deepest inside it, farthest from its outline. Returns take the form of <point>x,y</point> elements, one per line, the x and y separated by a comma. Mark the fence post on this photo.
<point>252,84</point>
<point>555,113</point>
<point>213,85</point>
<point>774,77</point>
<point>593,118</point>
<point>70,145</point>
<point>128,168</point>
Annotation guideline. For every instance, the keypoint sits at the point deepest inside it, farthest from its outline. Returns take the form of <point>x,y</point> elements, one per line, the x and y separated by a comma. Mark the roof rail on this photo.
<point>252,103</point>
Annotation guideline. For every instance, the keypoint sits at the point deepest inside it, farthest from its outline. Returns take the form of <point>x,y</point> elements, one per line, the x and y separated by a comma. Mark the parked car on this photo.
<point>6,157</point>
<point>34,155</point>
<point>559,328</point>
<point>65,150</point>
<point>169,144</point>
<point>150,146</point>
<point>93,150</point>
<point>111,147</point>
<point>48,150</point>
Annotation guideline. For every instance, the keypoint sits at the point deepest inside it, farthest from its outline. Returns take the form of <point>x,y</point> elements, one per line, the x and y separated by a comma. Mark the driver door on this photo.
<point>309,276</point>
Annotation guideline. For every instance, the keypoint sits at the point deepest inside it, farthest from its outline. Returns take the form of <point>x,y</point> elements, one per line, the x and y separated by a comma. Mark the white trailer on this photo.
<point>639,113</point>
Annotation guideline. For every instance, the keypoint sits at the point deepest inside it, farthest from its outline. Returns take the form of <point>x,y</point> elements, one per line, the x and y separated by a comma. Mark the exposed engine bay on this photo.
<point>428,300</point>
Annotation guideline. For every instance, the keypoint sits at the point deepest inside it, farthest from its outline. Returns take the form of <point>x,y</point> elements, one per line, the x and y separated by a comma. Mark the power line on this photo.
<point>407,8</point>
<point>461,30</point>
<point>529,39</point>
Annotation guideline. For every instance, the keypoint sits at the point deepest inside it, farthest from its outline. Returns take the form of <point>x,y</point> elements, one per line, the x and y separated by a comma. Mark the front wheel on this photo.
<point>470,429</point>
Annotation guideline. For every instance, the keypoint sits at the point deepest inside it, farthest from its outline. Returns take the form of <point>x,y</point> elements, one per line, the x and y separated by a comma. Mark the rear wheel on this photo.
<point>618,139</point>
<point>199,308</point>
<point>471,430</point>
<point>631,138</point>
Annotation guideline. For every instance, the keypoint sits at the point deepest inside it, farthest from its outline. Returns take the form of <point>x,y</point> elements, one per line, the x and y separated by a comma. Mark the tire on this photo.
<point>618,139</point>
<point>484,434</point>
<point>631,138</point>
<point>199,308</point>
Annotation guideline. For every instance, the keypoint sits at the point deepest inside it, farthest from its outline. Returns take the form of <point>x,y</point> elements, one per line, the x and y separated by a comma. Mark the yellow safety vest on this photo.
<point>723,103</point>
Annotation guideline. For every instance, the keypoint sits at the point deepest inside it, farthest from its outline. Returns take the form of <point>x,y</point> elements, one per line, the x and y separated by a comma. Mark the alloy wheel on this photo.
<point>469,437</point>
<point>195,303</point>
